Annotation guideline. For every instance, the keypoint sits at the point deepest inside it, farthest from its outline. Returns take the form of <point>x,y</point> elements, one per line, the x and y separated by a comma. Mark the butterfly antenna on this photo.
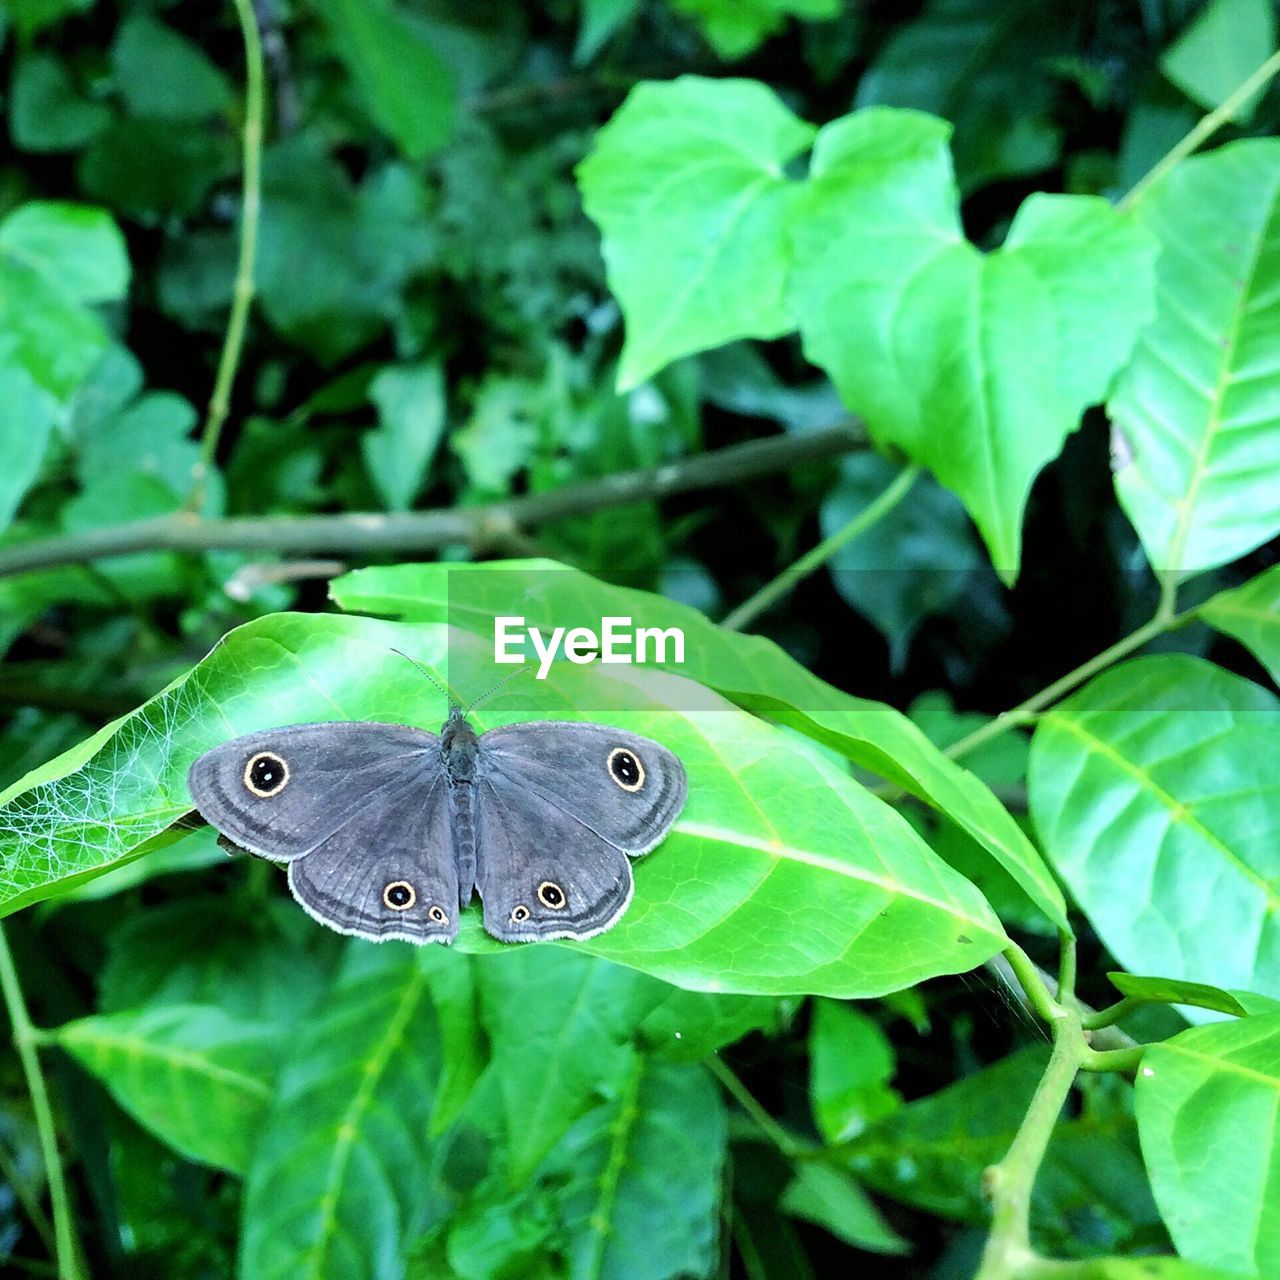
<point>451,699</point>
<point>519,671</point>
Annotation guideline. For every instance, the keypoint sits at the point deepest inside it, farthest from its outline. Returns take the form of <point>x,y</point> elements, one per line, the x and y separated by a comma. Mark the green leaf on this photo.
<point>749,670</point>
<point>1251,614</point>
<point>643,1178</point>
<point>411,409</point>
<point>336,1187</point>
<point>406,86</point>
<point>976,365</point>
<point>150,170</point>
<point>770,830</point>
<point>163,76</point>
<point>30,16</point>
<point>1207,1106</point>
<point>1174,991</point>
<point>734,28</point>
<point>54,258</point>
<point>561,1026</point>
<point>198,1078</point>
<point>1154,792</point>
<point>830,1198</point>
<point>78,247</point>
<point>911,564</point>
<point>47,112</point>
<point>600,19</point>
<point>983,66</point>
<point>933,1153</point>
<point>1145,1268</point>
<point>1196,442</point>
<point>1221,47</point>
<point>851,1064</point>
<point>686,183</point>
<point>464,1050</point>
<point>27,416</point>
<point>332,259</point>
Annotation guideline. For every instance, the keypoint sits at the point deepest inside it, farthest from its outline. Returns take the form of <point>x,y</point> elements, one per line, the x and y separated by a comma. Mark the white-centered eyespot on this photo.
<point>266,774</point>
<point>625,769</point>
<point>552,895</point>
<point>519,913</point>
<point>437,915</point>
<point>399,895</point>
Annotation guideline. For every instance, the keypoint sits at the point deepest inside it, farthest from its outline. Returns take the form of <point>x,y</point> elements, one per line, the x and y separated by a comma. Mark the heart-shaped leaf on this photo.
<point>686,183</point>
<point>1197,427</point>
<point>976,365</point>
<point>1155,792</point>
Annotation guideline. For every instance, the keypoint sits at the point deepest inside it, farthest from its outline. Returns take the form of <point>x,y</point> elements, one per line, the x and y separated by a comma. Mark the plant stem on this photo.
<point>771,592</point>
<point>1006,720</point>
<point>394,533</point>
<point>242,296</point>
<point>786,1144</point>
<point>24,1037</point>
<point>1009,1183</point>
<point>1205,128</point>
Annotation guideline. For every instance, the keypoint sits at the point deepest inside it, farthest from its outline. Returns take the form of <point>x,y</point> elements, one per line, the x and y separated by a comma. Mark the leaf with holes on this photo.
<point>197,1077</point>
<point>1208,1103</point>
<point>750,670</point>
<point>1251,614</point>
<point>1197,409</point>
<point>335,1189</point>
<point>1155,792</point>
<point>686,184</point>
<point>772,832</point>
<point>976,365</point>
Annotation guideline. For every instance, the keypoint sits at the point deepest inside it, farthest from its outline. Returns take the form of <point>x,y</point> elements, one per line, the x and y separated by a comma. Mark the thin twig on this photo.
<point>24,1037</point>
<point>1204,129</point>
<point>768,595</point>
<point>384,533</point>
<point>242,295</point>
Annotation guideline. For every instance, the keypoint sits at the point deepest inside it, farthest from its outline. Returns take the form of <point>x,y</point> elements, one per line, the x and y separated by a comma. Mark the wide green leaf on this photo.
<point>771,832</point>
<point>686,183</point>
<point>197,1077</point>
<point>405,84</point>
<point>1154,791</point>
<point>1250,613</point>
<point>335,1189</point>
<point>644,1176</point>
<point>976,365</point>
<point>1196,442</point>
<point>1222,46</point>
<point>164,76</point>
<point>749,670</point>
<point>1208,1103</point>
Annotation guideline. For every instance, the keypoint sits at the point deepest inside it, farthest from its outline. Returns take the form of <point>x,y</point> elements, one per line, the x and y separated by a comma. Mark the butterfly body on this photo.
<point>388,830</point>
